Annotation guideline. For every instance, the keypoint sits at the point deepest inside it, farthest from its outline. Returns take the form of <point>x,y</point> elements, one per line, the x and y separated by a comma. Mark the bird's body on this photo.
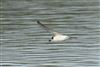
<point>57,37</point>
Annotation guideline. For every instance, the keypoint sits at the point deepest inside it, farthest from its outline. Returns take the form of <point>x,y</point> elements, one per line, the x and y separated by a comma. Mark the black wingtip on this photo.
<point>38,21</point>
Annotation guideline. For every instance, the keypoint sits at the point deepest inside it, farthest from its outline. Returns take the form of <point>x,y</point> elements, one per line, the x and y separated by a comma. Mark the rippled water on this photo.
<point>25,44</point>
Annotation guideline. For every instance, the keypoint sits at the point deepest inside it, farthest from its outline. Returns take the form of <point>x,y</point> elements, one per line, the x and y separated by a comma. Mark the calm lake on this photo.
<point>25,44</point>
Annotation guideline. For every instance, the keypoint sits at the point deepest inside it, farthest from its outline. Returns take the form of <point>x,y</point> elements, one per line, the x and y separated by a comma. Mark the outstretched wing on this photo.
<point>45,27</point>
<point>48,29</point>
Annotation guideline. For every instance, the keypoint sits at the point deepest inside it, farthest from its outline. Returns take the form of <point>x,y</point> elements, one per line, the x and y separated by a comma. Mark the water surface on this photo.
<point>25,44</point>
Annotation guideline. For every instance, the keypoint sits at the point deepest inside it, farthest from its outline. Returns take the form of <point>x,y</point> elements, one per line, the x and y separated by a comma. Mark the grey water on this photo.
<point>25,44</point>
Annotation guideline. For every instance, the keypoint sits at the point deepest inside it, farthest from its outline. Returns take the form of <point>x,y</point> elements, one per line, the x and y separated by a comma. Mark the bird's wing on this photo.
<point>45,27</point>
<point>48,29</point>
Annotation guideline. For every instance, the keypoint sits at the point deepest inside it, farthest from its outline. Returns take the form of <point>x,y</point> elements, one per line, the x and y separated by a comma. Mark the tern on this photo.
<point>57,37</point>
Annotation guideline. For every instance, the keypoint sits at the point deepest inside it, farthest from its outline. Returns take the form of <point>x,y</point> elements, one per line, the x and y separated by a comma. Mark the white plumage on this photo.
<point>57,37</point>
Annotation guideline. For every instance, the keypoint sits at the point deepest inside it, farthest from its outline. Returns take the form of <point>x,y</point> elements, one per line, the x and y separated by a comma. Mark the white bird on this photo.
<point>57,37</point>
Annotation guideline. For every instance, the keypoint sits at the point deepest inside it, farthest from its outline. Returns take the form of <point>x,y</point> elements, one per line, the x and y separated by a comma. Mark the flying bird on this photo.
<point>56,37</point>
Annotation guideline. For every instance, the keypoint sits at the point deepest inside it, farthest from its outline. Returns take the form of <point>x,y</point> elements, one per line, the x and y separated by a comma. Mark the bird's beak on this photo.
<point>49,40</point>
